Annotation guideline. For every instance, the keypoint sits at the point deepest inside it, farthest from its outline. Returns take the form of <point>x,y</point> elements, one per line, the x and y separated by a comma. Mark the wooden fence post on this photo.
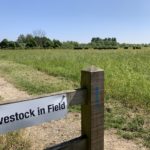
<point>92,113</point>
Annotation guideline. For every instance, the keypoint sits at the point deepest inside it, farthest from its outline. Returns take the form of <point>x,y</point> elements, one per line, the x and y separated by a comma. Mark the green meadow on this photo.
<point>127,81</point>
<point>127,73</point>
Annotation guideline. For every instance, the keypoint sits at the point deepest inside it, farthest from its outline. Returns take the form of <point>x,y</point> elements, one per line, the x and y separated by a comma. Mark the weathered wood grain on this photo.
<point>92,113</point>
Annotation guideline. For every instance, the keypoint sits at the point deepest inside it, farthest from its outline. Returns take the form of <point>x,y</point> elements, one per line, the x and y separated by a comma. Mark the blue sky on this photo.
<point>77,20</point>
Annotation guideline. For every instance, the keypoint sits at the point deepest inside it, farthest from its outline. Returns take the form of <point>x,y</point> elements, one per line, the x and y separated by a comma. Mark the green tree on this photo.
<point>69,45</point>
<point>57,44</point>
<point>4,44</point>
<point>47,43</point>
<point>30,41</point>
<point>11,45</point>
<point>21,39</point>
<point>107,43</point>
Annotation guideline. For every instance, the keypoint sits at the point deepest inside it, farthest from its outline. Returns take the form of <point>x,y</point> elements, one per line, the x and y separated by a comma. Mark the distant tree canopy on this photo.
<point>29,41</point>
<point>69,45</point>
<point>7,44</point>
<point>107,43</point>
<point>4,43</point>
<point>38,40</point>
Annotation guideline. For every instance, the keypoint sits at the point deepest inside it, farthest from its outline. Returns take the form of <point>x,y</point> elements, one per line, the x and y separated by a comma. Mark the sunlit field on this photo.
<point>127,81</point>
<point>126,71</point>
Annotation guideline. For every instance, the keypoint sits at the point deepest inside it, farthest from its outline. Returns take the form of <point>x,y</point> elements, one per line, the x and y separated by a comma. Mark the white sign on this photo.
<point>27,113</point>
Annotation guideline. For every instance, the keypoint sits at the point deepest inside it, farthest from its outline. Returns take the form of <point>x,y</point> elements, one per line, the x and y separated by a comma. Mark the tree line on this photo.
<point>40,41</point>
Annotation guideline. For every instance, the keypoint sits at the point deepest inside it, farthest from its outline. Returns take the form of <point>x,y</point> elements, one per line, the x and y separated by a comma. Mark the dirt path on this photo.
<point>8,92</point>
<point>58,131</point>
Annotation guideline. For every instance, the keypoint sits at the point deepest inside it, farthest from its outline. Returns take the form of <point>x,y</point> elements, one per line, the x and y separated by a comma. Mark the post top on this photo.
<point>92,69</point>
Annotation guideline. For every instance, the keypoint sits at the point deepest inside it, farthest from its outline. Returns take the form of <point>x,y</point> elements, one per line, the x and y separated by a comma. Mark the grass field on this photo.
<point>126,72</point>
<point>127,81</point>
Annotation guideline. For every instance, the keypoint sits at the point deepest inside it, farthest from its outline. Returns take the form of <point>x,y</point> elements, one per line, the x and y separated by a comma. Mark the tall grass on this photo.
<point>127,81</point>
<point>127,73</point>
<point>31,80</point>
